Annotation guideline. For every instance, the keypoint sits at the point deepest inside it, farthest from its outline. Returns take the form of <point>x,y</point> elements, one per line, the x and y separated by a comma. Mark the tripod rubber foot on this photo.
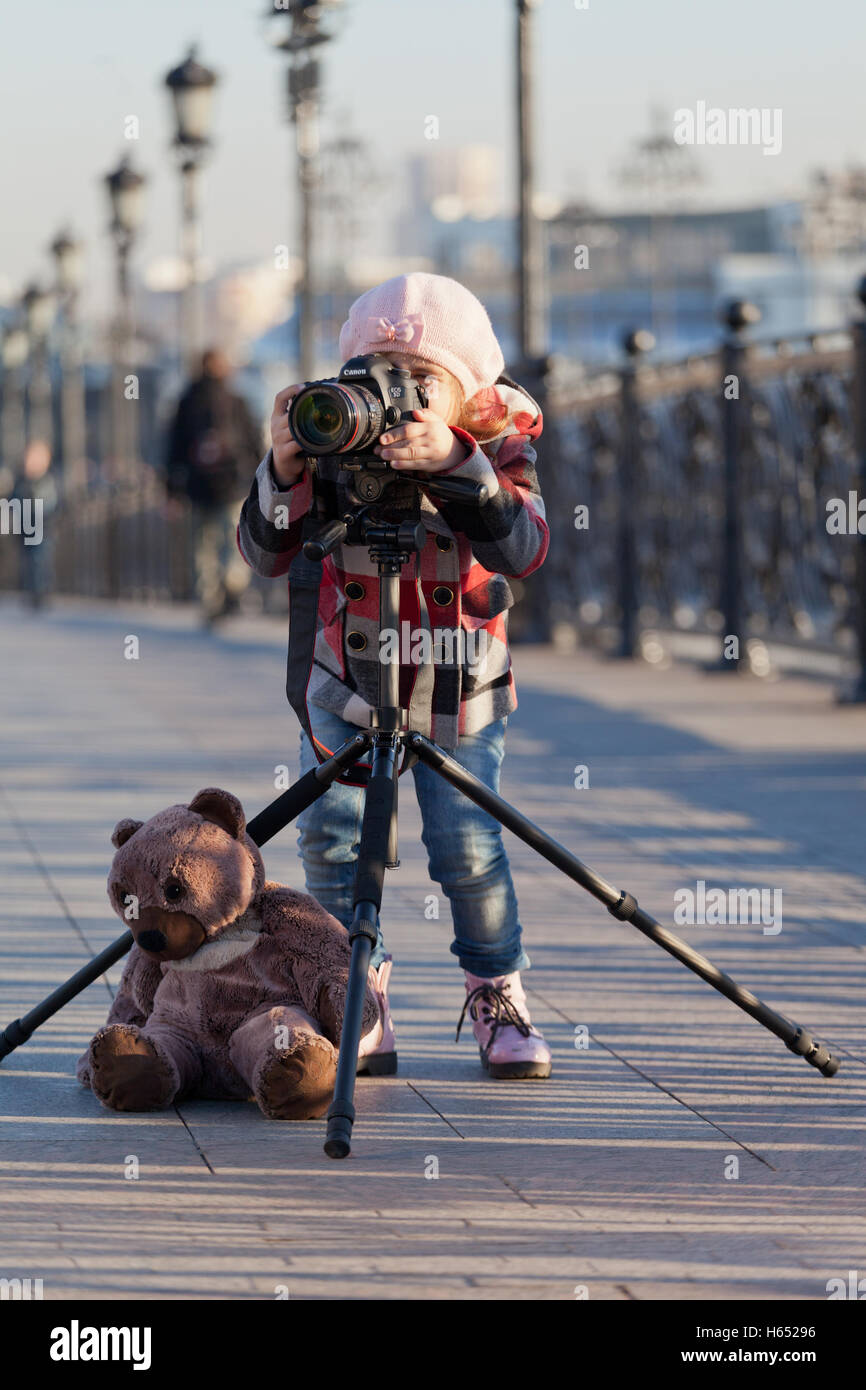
<point>378,1064</point>
<point>816,1054</point>
<point>338,1143</point>
<point>12,1037</point>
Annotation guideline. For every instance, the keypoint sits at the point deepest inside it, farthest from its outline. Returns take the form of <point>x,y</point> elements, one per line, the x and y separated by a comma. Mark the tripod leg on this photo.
<point>21,1029</point>
<point>621,904</point>
<point>369,882</point>
<point>260,829</point>
<point>306,790</point>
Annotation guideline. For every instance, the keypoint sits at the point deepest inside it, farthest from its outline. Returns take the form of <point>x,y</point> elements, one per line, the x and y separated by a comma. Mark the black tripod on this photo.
<point>391,544</point>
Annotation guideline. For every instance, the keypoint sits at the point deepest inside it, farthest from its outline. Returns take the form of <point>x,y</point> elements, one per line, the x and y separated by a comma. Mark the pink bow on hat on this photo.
<point>385,330</point>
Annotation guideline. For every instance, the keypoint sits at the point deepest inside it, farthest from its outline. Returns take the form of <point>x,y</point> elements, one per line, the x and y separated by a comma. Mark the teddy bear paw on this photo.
<point>127,1072</point>
<point>297,1082</point>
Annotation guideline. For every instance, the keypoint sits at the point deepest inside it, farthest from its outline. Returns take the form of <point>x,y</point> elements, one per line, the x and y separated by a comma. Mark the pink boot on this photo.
<point>510,1047</point>
<point>377,1054</point>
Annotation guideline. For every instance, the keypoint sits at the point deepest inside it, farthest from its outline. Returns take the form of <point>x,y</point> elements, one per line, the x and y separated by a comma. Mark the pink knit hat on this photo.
<point>428,316</point>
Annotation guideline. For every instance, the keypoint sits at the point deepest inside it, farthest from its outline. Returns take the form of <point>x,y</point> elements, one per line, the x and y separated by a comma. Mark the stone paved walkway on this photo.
<point>612,1175</point>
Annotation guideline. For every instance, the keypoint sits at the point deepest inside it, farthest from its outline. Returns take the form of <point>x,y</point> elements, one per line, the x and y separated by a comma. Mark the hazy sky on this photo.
<point>71,73</point>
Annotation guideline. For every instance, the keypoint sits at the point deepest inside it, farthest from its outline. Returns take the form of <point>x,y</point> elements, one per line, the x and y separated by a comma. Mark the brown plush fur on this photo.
<point>235,987</point>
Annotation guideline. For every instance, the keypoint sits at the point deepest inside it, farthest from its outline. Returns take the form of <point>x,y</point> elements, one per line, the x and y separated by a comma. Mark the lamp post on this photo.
<point>191,86</point>
<point>67,253</point>
<point>15,351</point>
<point>531,328</point>
<point>125,188</point>
<point>38,306</point>
<point>531,276</point>
<point>303,35</point>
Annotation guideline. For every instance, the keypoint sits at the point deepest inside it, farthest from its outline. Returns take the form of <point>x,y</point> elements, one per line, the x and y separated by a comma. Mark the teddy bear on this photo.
<point>234,988</point>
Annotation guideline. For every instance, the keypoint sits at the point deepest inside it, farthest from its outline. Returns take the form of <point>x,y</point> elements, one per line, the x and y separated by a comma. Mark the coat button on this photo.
<point>443,595</point>
<point>354,590</point>
<point>443,542</point>
<point>356,640</point>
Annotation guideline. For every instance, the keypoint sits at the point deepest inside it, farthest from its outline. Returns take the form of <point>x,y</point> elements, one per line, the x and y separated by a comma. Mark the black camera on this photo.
<point>345,416</point>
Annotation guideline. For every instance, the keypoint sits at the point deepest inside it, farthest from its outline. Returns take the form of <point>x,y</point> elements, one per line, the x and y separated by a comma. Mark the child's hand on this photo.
<point>289,462</point>
<point>426,443</point>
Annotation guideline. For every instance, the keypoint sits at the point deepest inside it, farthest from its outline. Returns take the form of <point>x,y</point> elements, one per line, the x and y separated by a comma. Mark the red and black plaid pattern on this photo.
<point>458,582</point>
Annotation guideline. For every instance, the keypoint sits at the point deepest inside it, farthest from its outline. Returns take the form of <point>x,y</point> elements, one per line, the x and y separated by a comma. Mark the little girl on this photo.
<point>478,426</point>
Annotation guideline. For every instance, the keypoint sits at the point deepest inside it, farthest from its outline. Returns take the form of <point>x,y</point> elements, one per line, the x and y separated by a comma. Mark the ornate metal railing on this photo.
<point>706,487</point>
<point>124,542</point>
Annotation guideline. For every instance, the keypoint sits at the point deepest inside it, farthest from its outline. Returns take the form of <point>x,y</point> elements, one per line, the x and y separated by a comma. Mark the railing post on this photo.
<point>737,316</point>
<point>535,624</point>
<point>634,343</point>
<point>856,694</point>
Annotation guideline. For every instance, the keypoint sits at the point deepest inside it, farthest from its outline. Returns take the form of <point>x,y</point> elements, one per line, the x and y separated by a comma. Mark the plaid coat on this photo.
<point>457,582</point>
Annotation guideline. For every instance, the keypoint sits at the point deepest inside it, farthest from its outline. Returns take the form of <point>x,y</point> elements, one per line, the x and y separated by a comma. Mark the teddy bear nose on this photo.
<point>152,940</point>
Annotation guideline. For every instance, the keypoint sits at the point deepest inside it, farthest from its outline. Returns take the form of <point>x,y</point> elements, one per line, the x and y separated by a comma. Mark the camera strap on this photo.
<point>305,582</point>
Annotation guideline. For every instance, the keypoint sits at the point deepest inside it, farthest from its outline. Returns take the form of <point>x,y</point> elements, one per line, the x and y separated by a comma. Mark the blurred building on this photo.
<point>660,267</point>
<point>834,218</point>
<point>652,270</point>
<point>810,287</point>
<point>444,186</point>
<point>239,302</point>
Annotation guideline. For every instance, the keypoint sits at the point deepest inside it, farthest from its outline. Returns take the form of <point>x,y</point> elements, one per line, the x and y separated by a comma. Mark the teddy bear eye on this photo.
<point>173,890</point>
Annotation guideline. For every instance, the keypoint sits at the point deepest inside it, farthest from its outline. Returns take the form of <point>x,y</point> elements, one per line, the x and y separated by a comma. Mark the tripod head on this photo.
<point>389,541</point>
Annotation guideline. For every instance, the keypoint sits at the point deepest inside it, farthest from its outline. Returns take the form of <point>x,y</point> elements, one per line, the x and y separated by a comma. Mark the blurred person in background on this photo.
<point>37,491</point>
<point>213,444</point>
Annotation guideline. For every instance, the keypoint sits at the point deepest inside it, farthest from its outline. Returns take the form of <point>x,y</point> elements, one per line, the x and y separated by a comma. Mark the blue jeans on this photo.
<point>463,843</point>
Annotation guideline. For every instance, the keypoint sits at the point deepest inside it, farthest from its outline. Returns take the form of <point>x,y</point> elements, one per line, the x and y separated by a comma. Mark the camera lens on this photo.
<point>328,418</point>
<point>319,419</point>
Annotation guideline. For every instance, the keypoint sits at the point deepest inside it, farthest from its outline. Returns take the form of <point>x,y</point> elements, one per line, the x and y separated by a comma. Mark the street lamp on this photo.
<point>68,261</point>
<point>125,190</point>
<point>191,86</point>
<point>68,265</point>
<point>15,350</point>
<point>303,35</point>
<point>38,307</point>
<point>16,347</point>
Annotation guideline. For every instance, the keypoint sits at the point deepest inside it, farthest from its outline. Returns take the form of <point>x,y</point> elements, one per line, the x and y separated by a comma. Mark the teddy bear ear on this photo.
<point>222,809</point>
<point>124,830</point>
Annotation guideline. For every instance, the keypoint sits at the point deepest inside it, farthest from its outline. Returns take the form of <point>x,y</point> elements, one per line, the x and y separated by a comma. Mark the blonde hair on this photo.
<point>483,415</point>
